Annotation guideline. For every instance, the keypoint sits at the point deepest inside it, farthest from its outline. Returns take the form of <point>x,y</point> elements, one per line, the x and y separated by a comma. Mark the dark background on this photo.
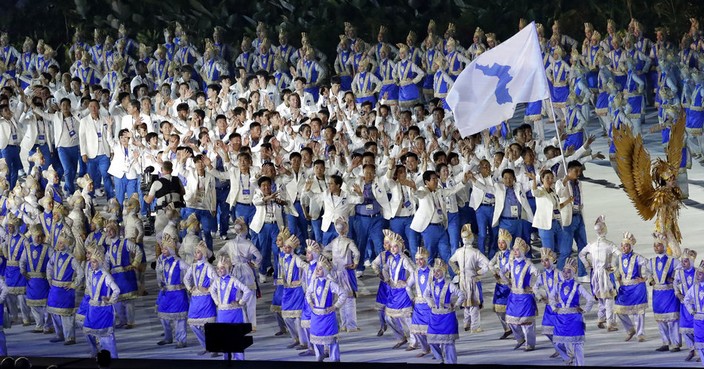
<point>55,20</point>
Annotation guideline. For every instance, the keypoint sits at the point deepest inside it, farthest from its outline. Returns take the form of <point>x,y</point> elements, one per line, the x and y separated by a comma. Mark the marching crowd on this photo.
<point>315,170</point>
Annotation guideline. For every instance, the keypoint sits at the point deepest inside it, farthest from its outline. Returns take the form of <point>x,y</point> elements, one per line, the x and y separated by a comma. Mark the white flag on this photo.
<point>487,91</point>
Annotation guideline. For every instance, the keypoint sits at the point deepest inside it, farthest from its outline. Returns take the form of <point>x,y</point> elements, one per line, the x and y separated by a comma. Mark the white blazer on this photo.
<point>475,200</point>
<point>542,219</point>
<point>294,187</point>
<point>260,214</point>
<point>334,208</point>
<point>426,206</point>
<point>124,164</point>
<point>565,192</point>
<point>6,131</point>
<point>500,195</point>
<point>396,202</point>
<point>314,207</point>
<point>379,192</point>
<point>191,189</point>
<point>88,136</point>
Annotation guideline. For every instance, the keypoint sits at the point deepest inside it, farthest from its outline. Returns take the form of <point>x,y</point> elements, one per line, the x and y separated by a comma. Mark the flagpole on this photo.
<point>557,133</point>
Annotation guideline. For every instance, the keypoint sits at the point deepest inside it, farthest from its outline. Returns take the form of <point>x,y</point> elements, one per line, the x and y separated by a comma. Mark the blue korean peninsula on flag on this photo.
<point>488,90</point>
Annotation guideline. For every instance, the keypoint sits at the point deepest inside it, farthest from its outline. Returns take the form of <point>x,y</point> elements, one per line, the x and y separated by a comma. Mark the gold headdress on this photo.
<point>422,253</point>
<point>596,36</point>
<point>451,29</point>
<point>629,238</point>
<point>439,264</point>
<point>382,30</point>
<point>224,261</point>
<point>36,230</point>
<point>292,242</point>
<point>191,223</point>
<point>412,37</point>
<point>505,235</point>
<point>324,263</point>
<point>84,181</point>
<point>521,244</point>
<point>547,254</point>
<point>466,231</point>
<point>313,247</point>
<point>284,234</point>
<point>588,27</point>
<point>689,254</point>
<point>571,263</point>
<point>203,248</point>
<point>394,239</point>
<point>97,255</point>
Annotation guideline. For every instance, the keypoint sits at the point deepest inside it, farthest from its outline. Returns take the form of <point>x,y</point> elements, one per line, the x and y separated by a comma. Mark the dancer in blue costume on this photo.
<point>569,323</point>
<point>320,295</point>
<point>103,294</point>
<point>65,274</point>
<point>684,280</point>
<point>632,297</point>
<point>199,278</point>
<point>230,296</point>
<point>172,301</point>
<point>443,327</point>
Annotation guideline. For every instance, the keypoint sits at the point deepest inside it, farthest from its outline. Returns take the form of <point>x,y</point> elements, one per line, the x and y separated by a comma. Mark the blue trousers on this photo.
<point>551,237</point>
<point>298,225</point>
<point>69,158</point>
<point>124,188</point>
<point>44,149</point>
<point>437,242</point>
<point>222,211</point>
<point>468,215</point>
<point>453,230</point>
<point>574,232</point>
<point>369,236</point>
<point>266,243</point>
<point>14,164</point>
<point>199,332</point>
<point>316,224</point>
<point>486,234</point>
<point>330,235</point>
<point>98,171</point>
<point>402,226</point>
<point>246,212</point>
<point>207,223</point>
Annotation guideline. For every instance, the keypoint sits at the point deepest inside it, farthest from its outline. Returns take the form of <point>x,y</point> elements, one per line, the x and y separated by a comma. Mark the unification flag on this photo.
<point>487,91</point>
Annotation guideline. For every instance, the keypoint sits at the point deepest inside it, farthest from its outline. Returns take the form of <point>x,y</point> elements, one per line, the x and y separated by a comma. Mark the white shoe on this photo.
<point>262,278</point>
<point>99,192</point>
<point>359,273</point>
<point>456,279</point>
<point>367,263</point>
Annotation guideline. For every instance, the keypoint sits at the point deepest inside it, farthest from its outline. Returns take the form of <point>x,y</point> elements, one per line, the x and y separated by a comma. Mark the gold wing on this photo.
<point>676,143</point>
<point>633,168</point>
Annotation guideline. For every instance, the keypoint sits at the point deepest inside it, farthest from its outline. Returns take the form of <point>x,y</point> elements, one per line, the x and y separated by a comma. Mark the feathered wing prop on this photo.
<point>676,143</point>
<point>633,168</point>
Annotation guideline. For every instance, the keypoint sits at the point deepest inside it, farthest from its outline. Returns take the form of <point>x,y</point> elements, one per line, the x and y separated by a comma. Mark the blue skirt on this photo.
<point>534,109</point>
<point>665,302</point>
<point>695,120</point>
<point>421,314</point>
<point>99,317</point>
<point>621,81</point>
<point>126,281</point>
<point>306,312</point>
<point>699,334</point>
<point>382,294</point>
<point>428,82</point>
<point>14,278</point>
<point>521,306</point>
<point>686,319</point>
<point>631,298</point>
<point>60,298</point>
<point>278,294</point>
<point>361,100</point>
<point>559,94</point>
<point>602,103</point>
<point>83,307</point>
<point>37,289</point>
<point>636,104</point>
<point>592,79</point>
<point>549,318</point>
<point>391,89</point>
<point>202,307</point>
<point>230,316</point>
<point>501,292</point>
<point>323,326</point>
<point>408,93</point>
<point>398,299</point>
<point>575,140</point>
<point>352,278</point>
<point>292,301</point>
<point>173,302</point>
<point>569,328</point>
<point>443,328</point>
<point>346,83</point>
